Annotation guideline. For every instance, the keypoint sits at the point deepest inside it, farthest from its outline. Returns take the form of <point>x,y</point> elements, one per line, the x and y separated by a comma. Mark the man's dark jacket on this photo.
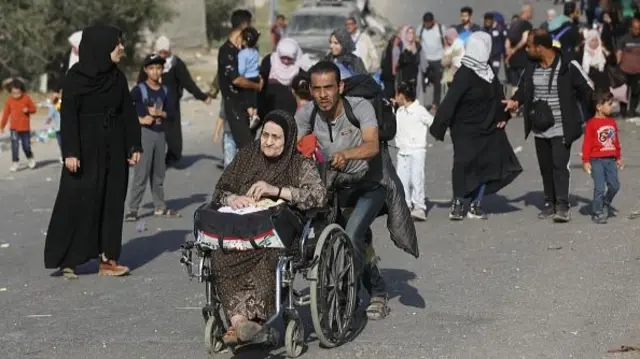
<point>574,89</point>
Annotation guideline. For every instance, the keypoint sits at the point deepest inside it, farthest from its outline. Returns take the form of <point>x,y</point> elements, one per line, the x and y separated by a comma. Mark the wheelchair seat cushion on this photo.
<point>274,227</point>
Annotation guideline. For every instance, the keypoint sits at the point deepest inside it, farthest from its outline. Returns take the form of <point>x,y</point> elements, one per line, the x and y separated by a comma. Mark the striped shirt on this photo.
<point>541,92</point>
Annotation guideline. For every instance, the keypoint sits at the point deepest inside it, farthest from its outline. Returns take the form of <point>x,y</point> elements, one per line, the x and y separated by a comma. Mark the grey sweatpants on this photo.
<point>151,168</point>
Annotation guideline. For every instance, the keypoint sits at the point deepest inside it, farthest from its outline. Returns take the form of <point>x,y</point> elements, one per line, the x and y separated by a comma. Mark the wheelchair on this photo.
<point>324,261</point>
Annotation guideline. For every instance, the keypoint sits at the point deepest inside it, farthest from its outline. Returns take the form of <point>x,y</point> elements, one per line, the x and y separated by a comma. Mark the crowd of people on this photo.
<point>282,115</point>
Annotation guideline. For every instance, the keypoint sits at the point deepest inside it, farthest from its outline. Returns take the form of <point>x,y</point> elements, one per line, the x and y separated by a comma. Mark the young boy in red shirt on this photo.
<point>18,109</point>
<point>601,156</point>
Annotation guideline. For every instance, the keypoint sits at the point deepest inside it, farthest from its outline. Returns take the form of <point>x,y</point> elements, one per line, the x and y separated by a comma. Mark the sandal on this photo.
<point>69,274</point>
<point>166,212</point>
<point>230,337</point>
<point>378,308</point>
<point>131,217</point>
<point>248,330</point>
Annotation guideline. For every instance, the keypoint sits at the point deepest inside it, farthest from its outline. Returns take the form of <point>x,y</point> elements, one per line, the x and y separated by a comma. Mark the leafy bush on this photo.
<point>218,13</point>
<point>34,33</point>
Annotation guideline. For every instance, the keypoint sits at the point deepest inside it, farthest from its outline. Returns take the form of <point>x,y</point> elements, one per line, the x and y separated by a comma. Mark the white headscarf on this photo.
<point>74,41</point>
<point>476,55</point>
<point>593,58</point>
<point>282,72</point>
<point>164,44</point>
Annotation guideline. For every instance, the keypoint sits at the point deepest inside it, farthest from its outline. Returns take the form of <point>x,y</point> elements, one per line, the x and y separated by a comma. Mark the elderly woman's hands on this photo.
<point>262,189</point>
<point>237,202</point>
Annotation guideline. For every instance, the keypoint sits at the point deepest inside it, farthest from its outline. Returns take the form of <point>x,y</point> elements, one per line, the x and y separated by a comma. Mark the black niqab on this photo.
<point>95,72</point>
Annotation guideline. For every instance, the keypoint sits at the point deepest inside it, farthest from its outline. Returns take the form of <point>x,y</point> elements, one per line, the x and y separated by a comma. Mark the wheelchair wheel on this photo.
<point>333,287</point>
<point>213,331</point>
<point>294,339</point>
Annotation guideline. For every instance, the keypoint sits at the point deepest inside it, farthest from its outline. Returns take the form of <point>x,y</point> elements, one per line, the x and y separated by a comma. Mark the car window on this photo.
<point>319,24</point>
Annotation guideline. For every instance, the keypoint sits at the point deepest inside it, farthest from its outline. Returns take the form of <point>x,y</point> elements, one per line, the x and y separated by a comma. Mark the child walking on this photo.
<point>249,67</point>
<point>153,107</point>
<point>411,138</point>
<point>18,110</point>
<point>601,156</point>
<point>53,118</point>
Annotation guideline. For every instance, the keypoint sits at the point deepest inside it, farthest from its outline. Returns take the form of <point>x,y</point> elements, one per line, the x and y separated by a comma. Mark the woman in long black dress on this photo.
<point>100,139</point>
<point>483,159</point>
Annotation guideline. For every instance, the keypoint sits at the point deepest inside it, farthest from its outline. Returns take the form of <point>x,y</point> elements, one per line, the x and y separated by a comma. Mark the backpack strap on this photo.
<point>144,92</point>
<point>348,111</point>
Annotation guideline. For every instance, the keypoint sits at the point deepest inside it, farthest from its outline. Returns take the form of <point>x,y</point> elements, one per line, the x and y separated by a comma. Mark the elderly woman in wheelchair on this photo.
<point>253,240</point>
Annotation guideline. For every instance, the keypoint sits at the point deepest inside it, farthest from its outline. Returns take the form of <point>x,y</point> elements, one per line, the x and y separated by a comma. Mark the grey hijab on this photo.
<point>347,57</point>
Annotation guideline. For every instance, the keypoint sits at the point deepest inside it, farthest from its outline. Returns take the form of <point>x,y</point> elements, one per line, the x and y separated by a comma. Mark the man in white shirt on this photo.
<point>431,37</point>
<point>413,121</point>
<point>365,49</point>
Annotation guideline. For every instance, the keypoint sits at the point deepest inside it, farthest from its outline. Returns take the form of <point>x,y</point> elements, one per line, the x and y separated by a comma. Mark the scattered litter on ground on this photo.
<point>41,210</point>
<point>625,348</point>
<point>48,179</point>
<point>634,215</point>
<point>517,149</point>
<point>38,316</point>
<point>4,245</point>
<point>554,248</point>
<point>186,123</point>
<point>189,308</point>
<point>141,227</point>
<point>3,289</point>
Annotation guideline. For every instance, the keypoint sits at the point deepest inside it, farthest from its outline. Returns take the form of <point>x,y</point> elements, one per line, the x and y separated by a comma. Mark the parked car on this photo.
<point>314,21</point>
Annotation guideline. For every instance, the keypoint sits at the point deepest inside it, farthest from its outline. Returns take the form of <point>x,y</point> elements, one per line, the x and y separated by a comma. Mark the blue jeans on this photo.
<point>477,195</point>
<point>229,149</point>
<point>365,211</point>
<point>59,140</point>
<point>25,138</point>
<point>604,171</point>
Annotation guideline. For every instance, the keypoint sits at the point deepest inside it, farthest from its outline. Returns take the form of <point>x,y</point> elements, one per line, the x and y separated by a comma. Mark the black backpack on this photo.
<point>364,86</point>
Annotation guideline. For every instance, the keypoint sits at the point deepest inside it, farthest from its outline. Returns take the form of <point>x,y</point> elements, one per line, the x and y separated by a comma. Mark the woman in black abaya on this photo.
<point>483,160</point>
<point>100,139</point>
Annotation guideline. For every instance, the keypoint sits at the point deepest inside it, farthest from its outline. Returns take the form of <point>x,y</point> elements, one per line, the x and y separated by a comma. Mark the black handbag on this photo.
<point>617,78</point>
<point>540,112</point>
<point>275,227</point>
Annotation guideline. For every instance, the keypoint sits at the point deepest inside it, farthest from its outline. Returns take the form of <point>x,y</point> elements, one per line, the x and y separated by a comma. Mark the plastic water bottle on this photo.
<point>141,227</point>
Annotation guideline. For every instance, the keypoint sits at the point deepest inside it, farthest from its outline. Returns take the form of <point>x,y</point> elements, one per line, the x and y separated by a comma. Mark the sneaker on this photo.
<point>419,214</point>
<point>548,211</point>
<point>562,215</point>
<point>111,268</point>
<point>14,167</point>
<point>457,211</point>
<point>32,163</point>
<point>600,218</point>
<point>132,216</point>
<point>476,212</point>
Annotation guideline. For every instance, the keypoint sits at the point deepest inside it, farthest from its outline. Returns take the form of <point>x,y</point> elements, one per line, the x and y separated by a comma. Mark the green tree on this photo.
<point>218,13</point>
<point>33,33</point>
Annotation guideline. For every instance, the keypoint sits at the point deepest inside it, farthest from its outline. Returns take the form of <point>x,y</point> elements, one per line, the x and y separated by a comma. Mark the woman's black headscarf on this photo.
<point>250,165</point>
<point>95,72</point>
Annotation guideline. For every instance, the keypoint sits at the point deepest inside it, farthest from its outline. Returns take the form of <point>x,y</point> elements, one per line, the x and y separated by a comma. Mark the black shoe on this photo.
<point>548,211</point>
<point>476,212</point>
<point>220,165</point>
<point>562,215</point>
<point>600,218</point>
<point>457,211</point>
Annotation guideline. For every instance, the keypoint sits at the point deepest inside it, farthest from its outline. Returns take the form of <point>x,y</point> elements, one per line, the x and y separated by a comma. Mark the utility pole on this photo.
<point>273,10</point>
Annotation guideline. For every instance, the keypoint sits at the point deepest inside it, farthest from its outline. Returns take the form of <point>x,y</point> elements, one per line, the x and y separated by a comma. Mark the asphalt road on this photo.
<point>509,287</point>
